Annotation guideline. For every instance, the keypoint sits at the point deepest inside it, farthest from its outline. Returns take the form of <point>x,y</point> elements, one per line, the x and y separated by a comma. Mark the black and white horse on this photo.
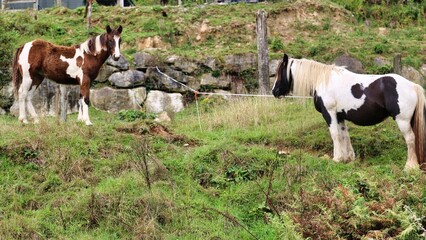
<point>363,99</point>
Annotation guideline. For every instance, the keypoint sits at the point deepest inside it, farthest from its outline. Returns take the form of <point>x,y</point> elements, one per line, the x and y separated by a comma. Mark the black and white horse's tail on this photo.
<point>419,128</point>
<point>16,71</point>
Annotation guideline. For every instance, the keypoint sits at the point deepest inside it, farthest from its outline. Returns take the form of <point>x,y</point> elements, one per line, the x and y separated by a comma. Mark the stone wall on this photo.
<point>119,86</point>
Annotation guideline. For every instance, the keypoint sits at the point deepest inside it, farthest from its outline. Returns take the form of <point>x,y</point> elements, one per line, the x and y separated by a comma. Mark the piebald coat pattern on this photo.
<point>75,65</point>
<point>363,99</point>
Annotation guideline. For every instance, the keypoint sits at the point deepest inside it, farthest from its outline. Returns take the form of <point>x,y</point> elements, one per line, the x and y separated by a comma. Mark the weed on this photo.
<point>133,115</point>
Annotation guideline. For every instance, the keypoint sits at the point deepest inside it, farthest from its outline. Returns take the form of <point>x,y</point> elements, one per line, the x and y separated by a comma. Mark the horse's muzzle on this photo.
<point>115,58</point>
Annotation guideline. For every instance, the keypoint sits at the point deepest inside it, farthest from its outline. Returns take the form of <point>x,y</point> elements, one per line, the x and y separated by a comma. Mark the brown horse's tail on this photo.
<point>16,71</point>
<point>418,124</point>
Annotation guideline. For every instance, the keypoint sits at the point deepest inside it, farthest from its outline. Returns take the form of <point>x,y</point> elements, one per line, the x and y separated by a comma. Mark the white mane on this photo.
<point>309,74</point>
<point>92,43</point>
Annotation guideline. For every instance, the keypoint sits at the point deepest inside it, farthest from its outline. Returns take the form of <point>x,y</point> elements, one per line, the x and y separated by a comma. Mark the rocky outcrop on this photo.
<point>350,63</point>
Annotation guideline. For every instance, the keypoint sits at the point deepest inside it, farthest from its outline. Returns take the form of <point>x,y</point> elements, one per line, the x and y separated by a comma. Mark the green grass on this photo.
<point>138,179</point>
<point>221,178</point>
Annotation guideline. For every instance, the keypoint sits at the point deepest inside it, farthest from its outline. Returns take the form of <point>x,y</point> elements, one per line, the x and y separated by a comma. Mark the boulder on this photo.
<point>114,100</point>
<point>413,75</point>
<point>2,111</point>
<point>208,81</point>
<point>121,64</point>
<point>351,63</point>
<point>381,61</point>
<point>145,60</point>
<point>211,63</point>
<point>163,117</point>
<point>105,72</point>
<point>158,81</point>
<point>127,79</point>
<point>6,96</point>
<point>183,64</point>
<point>273,65</point>
<point>45,99</point>
<point>240,62</point>
<point>423,70</point>
<point>158,101</point>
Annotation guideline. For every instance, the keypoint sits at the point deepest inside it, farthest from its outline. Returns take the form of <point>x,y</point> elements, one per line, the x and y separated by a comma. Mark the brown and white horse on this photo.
<point>75,65</point>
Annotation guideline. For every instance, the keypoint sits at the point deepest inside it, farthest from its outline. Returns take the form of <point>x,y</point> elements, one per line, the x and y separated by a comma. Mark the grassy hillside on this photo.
<point>250,169</point>
<point>143,180</point>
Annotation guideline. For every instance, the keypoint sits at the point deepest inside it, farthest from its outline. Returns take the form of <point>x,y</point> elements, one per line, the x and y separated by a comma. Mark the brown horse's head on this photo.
<point>113,40</point>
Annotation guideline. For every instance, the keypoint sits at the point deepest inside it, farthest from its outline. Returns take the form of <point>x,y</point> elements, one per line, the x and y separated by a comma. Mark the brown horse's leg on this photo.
<point>83,112</point>
<point>22,96</point>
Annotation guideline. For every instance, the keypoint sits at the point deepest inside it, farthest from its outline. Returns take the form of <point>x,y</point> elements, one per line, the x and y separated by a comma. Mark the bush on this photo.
<point>133,115</point>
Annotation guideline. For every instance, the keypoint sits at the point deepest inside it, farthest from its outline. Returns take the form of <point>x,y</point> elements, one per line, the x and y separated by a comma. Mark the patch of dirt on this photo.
<point>165,133</point>
<point>160,131</point>
<point>286,23</point>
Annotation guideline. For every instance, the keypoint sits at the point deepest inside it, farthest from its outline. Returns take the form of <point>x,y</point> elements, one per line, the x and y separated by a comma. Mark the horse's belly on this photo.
<point>365,116</point>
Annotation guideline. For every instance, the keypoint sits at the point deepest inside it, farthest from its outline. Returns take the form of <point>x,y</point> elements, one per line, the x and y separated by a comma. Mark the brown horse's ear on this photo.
<point>119,29</point>
<point>108,29</point>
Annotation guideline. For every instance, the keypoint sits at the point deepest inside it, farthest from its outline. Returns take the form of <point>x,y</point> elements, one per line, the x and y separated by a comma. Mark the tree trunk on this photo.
<point>262,49</point>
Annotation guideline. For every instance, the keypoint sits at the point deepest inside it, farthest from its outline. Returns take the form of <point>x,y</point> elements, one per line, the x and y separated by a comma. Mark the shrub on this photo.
<point>133,115</point>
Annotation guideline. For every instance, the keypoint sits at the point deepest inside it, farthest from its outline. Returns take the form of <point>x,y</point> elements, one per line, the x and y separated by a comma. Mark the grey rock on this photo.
<point>381,61</point>
<point>145,60</point>
<point>207,80</point>
<point>211,63</point>
<point>240,62</point>
<point>413,75</point>
<point>127,79</point>
<point>121,63</point>
<point>113,100</point>
<point>183,64</point>
<point>423,70</point>
<point>105,72</point>
<point>45,99</point>
<point>273,65</point>
<point>167,80</point>
<point>158,101</point>
<point>351,63</point>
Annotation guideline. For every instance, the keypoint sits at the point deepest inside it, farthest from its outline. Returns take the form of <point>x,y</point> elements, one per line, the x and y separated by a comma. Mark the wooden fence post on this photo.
<point>262,50</point>
<point>397,65</point>
<point>64,102</point>
<point>89,13</point>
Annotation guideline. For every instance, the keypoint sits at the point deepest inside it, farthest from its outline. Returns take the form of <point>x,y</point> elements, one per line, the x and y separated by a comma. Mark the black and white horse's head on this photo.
<point>284,79</point>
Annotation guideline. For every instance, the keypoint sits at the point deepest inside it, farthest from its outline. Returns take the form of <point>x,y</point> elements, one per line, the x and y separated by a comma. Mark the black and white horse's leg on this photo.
<point>407,131</point>
<point>342,147</point>
<point>345,141</point>
<point>335,133</point>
